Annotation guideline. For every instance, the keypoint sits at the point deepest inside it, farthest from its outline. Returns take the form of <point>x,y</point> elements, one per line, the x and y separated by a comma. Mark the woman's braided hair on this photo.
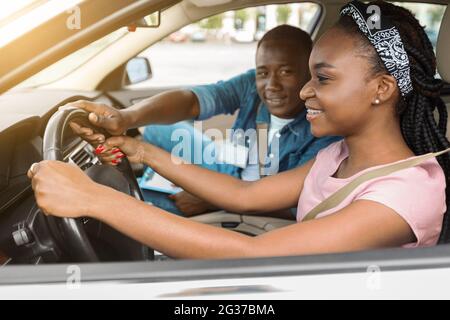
<point>417,110</point>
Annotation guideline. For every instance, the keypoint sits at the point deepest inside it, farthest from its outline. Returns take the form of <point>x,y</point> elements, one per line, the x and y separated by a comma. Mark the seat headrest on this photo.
<point>443,47</point>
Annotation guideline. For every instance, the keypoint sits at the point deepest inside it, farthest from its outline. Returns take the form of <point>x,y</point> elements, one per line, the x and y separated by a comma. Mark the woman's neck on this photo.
<point>380,146</point>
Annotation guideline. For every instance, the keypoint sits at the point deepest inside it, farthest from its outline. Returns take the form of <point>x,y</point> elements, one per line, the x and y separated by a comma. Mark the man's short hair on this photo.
<point>288,33</point>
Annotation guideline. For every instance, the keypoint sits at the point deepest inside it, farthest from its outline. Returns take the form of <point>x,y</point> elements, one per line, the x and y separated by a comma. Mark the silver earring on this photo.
<point>377,101</point>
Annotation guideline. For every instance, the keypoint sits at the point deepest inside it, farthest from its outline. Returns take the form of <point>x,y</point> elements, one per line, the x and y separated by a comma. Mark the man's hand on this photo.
<point>100,115</point>
<point>191,205</point>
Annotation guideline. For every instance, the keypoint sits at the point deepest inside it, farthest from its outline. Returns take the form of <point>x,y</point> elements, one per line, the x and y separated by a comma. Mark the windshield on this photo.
<point>19,16</point>
<point>73,61</point>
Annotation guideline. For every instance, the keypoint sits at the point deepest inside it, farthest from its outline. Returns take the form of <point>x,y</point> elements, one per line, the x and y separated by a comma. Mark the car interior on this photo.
<point>33,127</point>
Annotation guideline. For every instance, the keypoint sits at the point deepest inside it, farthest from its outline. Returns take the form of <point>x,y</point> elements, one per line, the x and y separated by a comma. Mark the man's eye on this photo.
<point>284,72</point>
<point>262,74</point>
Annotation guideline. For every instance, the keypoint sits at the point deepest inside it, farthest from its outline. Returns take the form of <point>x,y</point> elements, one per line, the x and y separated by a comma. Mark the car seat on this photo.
<point>443,64</point>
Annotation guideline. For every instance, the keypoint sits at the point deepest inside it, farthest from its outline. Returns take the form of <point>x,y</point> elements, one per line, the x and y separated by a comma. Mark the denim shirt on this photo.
<point>296,143</point>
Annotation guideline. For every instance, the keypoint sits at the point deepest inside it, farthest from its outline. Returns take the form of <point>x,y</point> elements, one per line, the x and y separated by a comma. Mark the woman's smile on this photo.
<point>313,113</point>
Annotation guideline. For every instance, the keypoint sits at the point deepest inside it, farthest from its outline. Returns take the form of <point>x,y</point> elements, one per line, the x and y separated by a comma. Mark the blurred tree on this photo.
<point>436,13</point>
<point>283,14</point>
<point>240,18</point>
<point>214,22</point>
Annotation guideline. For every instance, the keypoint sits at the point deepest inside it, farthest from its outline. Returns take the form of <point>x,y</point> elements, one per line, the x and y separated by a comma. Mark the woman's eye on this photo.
<point>322,78</point>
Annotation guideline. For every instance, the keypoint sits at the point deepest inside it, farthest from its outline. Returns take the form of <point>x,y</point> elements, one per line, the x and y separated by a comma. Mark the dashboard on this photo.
<point>25,236</point>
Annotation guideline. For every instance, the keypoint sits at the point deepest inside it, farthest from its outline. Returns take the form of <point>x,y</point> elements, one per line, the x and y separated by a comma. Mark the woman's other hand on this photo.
<point>115,148</point>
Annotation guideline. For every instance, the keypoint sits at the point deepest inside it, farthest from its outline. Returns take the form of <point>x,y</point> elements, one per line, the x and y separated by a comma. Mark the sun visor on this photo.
<point>209,3</point>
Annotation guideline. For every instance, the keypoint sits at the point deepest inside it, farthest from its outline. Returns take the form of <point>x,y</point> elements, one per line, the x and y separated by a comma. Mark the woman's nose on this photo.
<point>307,91</point>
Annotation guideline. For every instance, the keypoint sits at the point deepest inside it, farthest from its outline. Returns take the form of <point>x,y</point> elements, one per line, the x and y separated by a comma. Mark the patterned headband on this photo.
<point>384,36</point>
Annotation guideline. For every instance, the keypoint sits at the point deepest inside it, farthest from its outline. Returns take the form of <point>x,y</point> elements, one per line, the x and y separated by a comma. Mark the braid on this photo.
<point>418,109</point>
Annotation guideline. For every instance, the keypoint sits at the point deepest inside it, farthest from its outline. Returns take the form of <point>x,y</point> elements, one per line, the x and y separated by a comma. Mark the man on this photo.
<point>266,96</point>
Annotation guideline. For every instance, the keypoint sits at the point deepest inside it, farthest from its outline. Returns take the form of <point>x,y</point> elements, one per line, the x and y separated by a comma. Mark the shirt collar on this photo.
<point>263,116</point>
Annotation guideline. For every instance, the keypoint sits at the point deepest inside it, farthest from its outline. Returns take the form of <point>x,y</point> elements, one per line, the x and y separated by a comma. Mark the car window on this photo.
<point>429,15</point>
<point>221,46</point>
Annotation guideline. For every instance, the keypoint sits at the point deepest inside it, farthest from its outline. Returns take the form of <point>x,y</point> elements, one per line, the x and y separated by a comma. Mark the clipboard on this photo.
<point>153,181</point>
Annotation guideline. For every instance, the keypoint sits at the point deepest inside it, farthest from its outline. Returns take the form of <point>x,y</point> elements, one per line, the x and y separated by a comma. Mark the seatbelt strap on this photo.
<point>336,198</point>
<point>262,141</point>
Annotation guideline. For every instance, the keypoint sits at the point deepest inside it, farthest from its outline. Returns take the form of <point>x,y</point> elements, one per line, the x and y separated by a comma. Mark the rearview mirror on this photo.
<point>137,70</point>
<point>151,21</point>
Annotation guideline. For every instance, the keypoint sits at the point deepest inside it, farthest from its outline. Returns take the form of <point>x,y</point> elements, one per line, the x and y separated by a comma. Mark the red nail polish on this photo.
<point>116,161</point>
<point>99,149</point>
<point>115,150</point>
<point>120,156</point>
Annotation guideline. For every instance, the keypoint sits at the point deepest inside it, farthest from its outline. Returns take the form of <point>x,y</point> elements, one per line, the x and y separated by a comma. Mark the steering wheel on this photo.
<point>89,240</point>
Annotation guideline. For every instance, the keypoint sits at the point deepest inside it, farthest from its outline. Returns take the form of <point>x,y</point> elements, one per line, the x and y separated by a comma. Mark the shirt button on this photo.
<point>278,135</point>
<point>271,156</point>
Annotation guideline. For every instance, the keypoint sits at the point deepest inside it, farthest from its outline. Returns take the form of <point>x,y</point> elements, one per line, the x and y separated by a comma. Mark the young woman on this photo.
<point>376,88</point>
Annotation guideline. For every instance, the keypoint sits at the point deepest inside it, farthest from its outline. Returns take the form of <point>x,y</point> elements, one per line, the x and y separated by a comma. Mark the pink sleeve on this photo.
<point>417,195</point>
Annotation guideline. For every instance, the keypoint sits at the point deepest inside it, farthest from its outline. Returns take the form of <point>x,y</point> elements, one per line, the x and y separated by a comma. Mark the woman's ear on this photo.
<point>387,89</point>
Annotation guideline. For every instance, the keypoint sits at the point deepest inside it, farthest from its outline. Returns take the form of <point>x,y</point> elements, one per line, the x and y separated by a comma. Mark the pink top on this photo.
<point>417,194</point>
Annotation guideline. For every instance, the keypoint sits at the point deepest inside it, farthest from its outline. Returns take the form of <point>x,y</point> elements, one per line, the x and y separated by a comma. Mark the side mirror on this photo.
<point>137,70</point>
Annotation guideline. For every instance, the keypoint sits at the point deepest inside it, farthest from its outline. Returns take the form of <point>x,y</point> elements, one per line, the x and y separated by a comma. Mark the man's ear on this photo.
<point>387,89</point>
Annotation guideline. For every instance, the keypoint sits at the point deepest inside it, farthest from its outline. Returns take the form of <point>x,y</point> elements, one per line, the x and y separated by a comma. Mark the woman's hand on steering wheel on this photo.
<point>63,189</point>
